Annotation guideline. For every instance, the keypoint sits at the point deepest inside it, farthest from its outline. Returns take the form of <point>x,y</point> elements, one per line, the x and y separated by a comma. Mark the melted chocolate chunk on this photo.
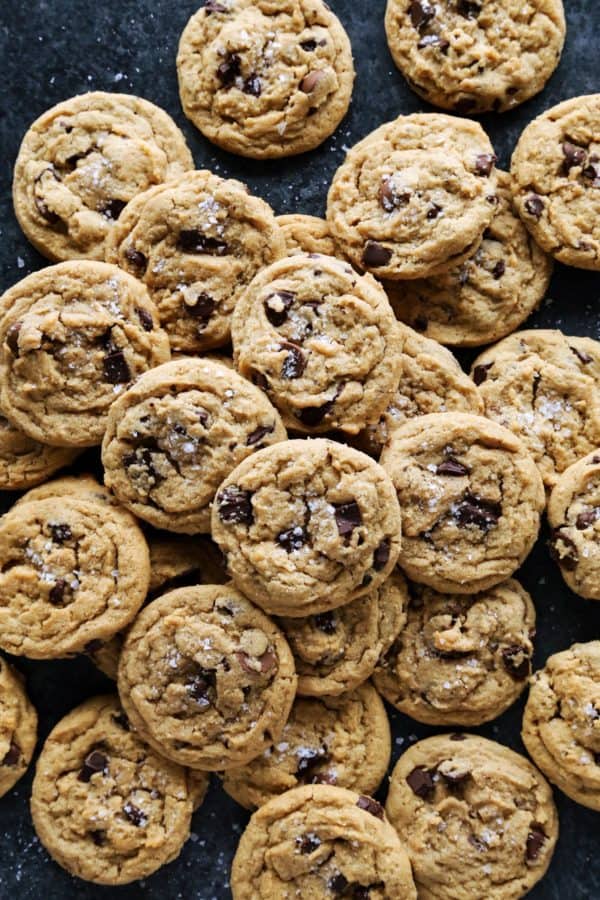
<point>46,213</point>
<point>421,13</point>
<point>433,211</point>
<point>137,260</point>
<point>433,40</point>
<point>420,781</point>
<point>582,356</point>
<point>229,70</point>
<point>98,837</point>
<point>116,370</point>
<point>381,555</point>
<point>325,622</point>
<point>258,434</point>
<point>587,519</point>
<point>253,85</point>
<point>95,762</point>
<point>112,209</point>
<point>485,162</point>
<point>135,814</point>
<point>337,884</point>
<point>57,592</point>
<point>468,9</point>
<point>191,240</point>
<point>374,255</point>
<point>199,685</point>
<point>309,45</point>
<point>311,81</point>
<point>499,269</point>
<point>348,517</point>
<point>12,337</point>
<point>309,760</point>
<point>311,416</point>
<point>370,806</point>
<point>478,844</point>
<point>390,197</point>
<point>534,205</point>
<point>592,172</point>
<point>473,510</point>
<point>574,156</point>
<point>13,756</point>
<point>294,364</point>
<point>260,381</point>
<point>145,318</point>
<point>203,308</point>
<point>452,467</point>
<point>454,777</point>
<point>235,506</point>
<point>535,841</point>
<point>276,307</point>
<point>563,550</point>
<point>60,532</point>
<point>480,373</point>
<point>308,843</point>
<point>293,539</point>
<point>212,6</point>
<point>517,662</point>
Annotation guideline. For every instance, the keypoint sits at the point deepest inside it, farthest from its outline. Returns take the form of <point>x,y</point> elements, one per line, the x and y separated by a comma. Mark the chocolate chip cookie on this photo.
<point>18,727</point>
<point>196,243</point>
<point>321,340</point>
<point>25,462</point>
<point>471,499</point>
<point>307,234</point>
<point>307,526</point>
<point>80,164</point>
<point>175,435</point>
<point>265,79</point>
<point>460,660</point>
<point>478,820</point>
<point>206,678</point>
<point>319,842</point>
<point>72,338</point>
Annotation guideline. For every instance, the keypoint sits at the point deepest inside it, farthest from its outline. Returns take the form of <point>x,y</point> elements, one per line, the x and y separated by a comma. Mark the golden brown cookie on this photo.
<point>18,727</point>
<point>25,462</point>
<point>307,234</point>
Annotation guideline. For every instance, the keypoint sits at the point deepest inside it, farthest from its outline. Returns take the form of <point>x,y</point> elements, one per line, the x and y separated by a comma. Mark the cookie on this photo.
<point>460,660</point>
<point>206,678</point>
<point>264,79</point>
<point>18,727</point>
<point>72,338</point>
<point>337,651</point>
<point>475,57</point>
<point>196,243</point>
<point>80,164</point>
<point>321,340</point>
<point>25,462</point>
<point>414,197</point>
<point>431,381</point>
<point>307,526</point>
<point>471,499</point>
<point>544,386</point>
<point>477,819</point>
<point>72,571</point>
<point>556,172</point>
<point>561,725</point>
<point>320,841</point>
<point>343,741</point>
<point>487,297</point>
<point>104,805</point>
<point>574,516</point>
<point>84,486</point>
<point>175,435</point>
<point>307,234</point>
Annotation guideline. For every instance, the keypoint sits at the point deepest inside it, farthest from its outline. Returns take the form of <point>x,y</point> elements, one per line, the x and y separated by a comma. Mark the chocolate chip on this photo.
<point>370,806</point>
<point>348,517</point>
<point>12,337</point>
<point>190,240</point>
<point>235,506</point>
<point>434,211</point>
<point>203,307</point>
<point>212,6</point>
<point>98,837</point>
<point>337,884</point>
<point>592,173</point>
<point>60,533</point>
<point>473,510</point>
<point>308,843</point>
<point>479,845</point>
<point>309,45</point>
<point>534,205</point>
<point>95,762</point>
<point>453,776</point>
<point>574,156</point>
<point>381,555</point>
<point>146,320</point>
<point>582,356</point>
<point>587,519</point>
<point>517,662</point>
<point>293,539</point>
<point>390,197</point>
<point>499,269</point>
<point>375,255</point>
<point>116,370</point>
<point>452,467</point>
<point>57,592</point>
<point>421,12</point>
<point>258,434</point>
<point>276,307</point>
<point>458,737</point>
<point>294,364</point>
<point>434,40</point>
<point>121,720</point>
<point>563,550</point>
<point>112,209</point>
<point>420,323</point>
<point>468,9</point>
<point>420,782</point>
<point>135,814</point>
<point>260,381</point>
<point>199,684</point>
<point>137,259</point>
<point>484,163</point>
<point>311,416</point>
<point>480,373</point>
<point>535,841</point>
<point>253,85</point>
<point>325,622</point>
<point>366,580</point>
<point>13,756</point>
<point>311,81</point>
<point>308,760</point>
<point>229,70</point>
<point>46,213</point>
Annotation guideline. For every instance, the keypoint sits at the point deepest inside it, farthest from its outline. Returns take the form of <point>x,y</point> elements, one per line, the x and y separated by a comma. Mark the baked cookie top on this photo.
<point>307,234</point>
<point>25,462</point>
<point>18,727</point>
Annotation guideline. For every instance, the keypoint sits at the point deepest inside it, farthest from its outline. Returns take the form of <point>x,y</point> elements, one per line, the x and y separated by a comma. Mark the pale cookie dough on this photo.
<point>561,723</point>
<point>18,727</point>
<point>196,242</point>
<point>307,526</point>
<point>206,678</point>
<point>460,660</point>
<point>343,741</point>
<point>478,820</point>
<point>25,462</point>
<point>471,499</point>
<point>471,57</point>
<point>307,234</point>
<point>556,171</point>
<point>490,294</point>
<point>265,79</point>
<point>177,433</point>
<point>82,161</point>
<point>321,340</point>
<point>104,805</point>
<point>413,198</point>
<point>72,338</point>
<point>319,842</point>
<point>545,387</point>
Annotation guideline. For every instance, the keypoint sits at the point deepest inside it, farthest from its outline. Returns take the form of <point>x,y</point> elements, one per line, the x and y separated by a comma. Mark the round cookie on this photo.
<point>82,161</point>
<point>471,499</point>
<point>175,435</point>
<point>574,516</point>
<point>84,486</point>
<point>307,234</point>
<point>414,197</point>
<point>307,526</point>
<point>561,723</point>
<point>337,651</point>
<point>477,819</point>
<point>472,57</point>
<point>321,340</point>
<point>104,805</point>
<point>490,294</point>
<point>318,842</point>
<point>556,175</point>
<point>72,338</point>
<point>544,386</point>
<point>206,678</point>
<point>265,79</point>
<point>18,727</point>
<point>343,741</point>
<point>196,242</point>
<point>72,571</point>
<point>25,462</point>
<point>460,660</point>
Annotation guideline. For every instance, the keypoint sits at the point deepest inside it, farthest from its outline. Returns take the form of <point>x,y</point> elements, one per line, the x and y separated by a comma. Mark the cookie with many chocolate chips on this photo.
<point>206,678</point>
<point>343,741</point>
<point>72,338</point>
<point>471,499</point>
<point>25,462</point>
<point>319,842</point>
<point>105,806</point>
<point>18,727</point>
<point>471,57</point>
<point>80,164</point>
<point>561,723</point>
<point>460,660</point>
<point>556,172</point>
<point>177,433</point>
<point>477,819</point>
<point>307,526</point>
<point>196,243</point>
<point>265,79</point>
<point>307,234</point>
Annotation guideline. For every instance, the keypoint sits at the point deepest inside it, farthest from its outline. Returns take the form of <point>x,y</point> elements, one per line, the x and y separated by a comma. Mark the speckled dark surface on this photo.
<point>52,49</point>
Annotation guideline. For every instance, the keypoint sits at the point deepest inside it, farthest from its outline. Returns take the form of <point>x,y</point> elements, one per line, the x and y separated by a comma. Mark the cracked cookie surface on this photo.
<point>25,462</point>
<point>18,727</point>
<point>307,234</point>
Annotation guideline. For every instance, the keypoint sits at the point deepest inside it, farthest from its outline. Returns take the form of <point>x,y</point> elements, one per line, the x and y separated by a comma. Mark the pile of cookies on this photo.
<point>307,506</point>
